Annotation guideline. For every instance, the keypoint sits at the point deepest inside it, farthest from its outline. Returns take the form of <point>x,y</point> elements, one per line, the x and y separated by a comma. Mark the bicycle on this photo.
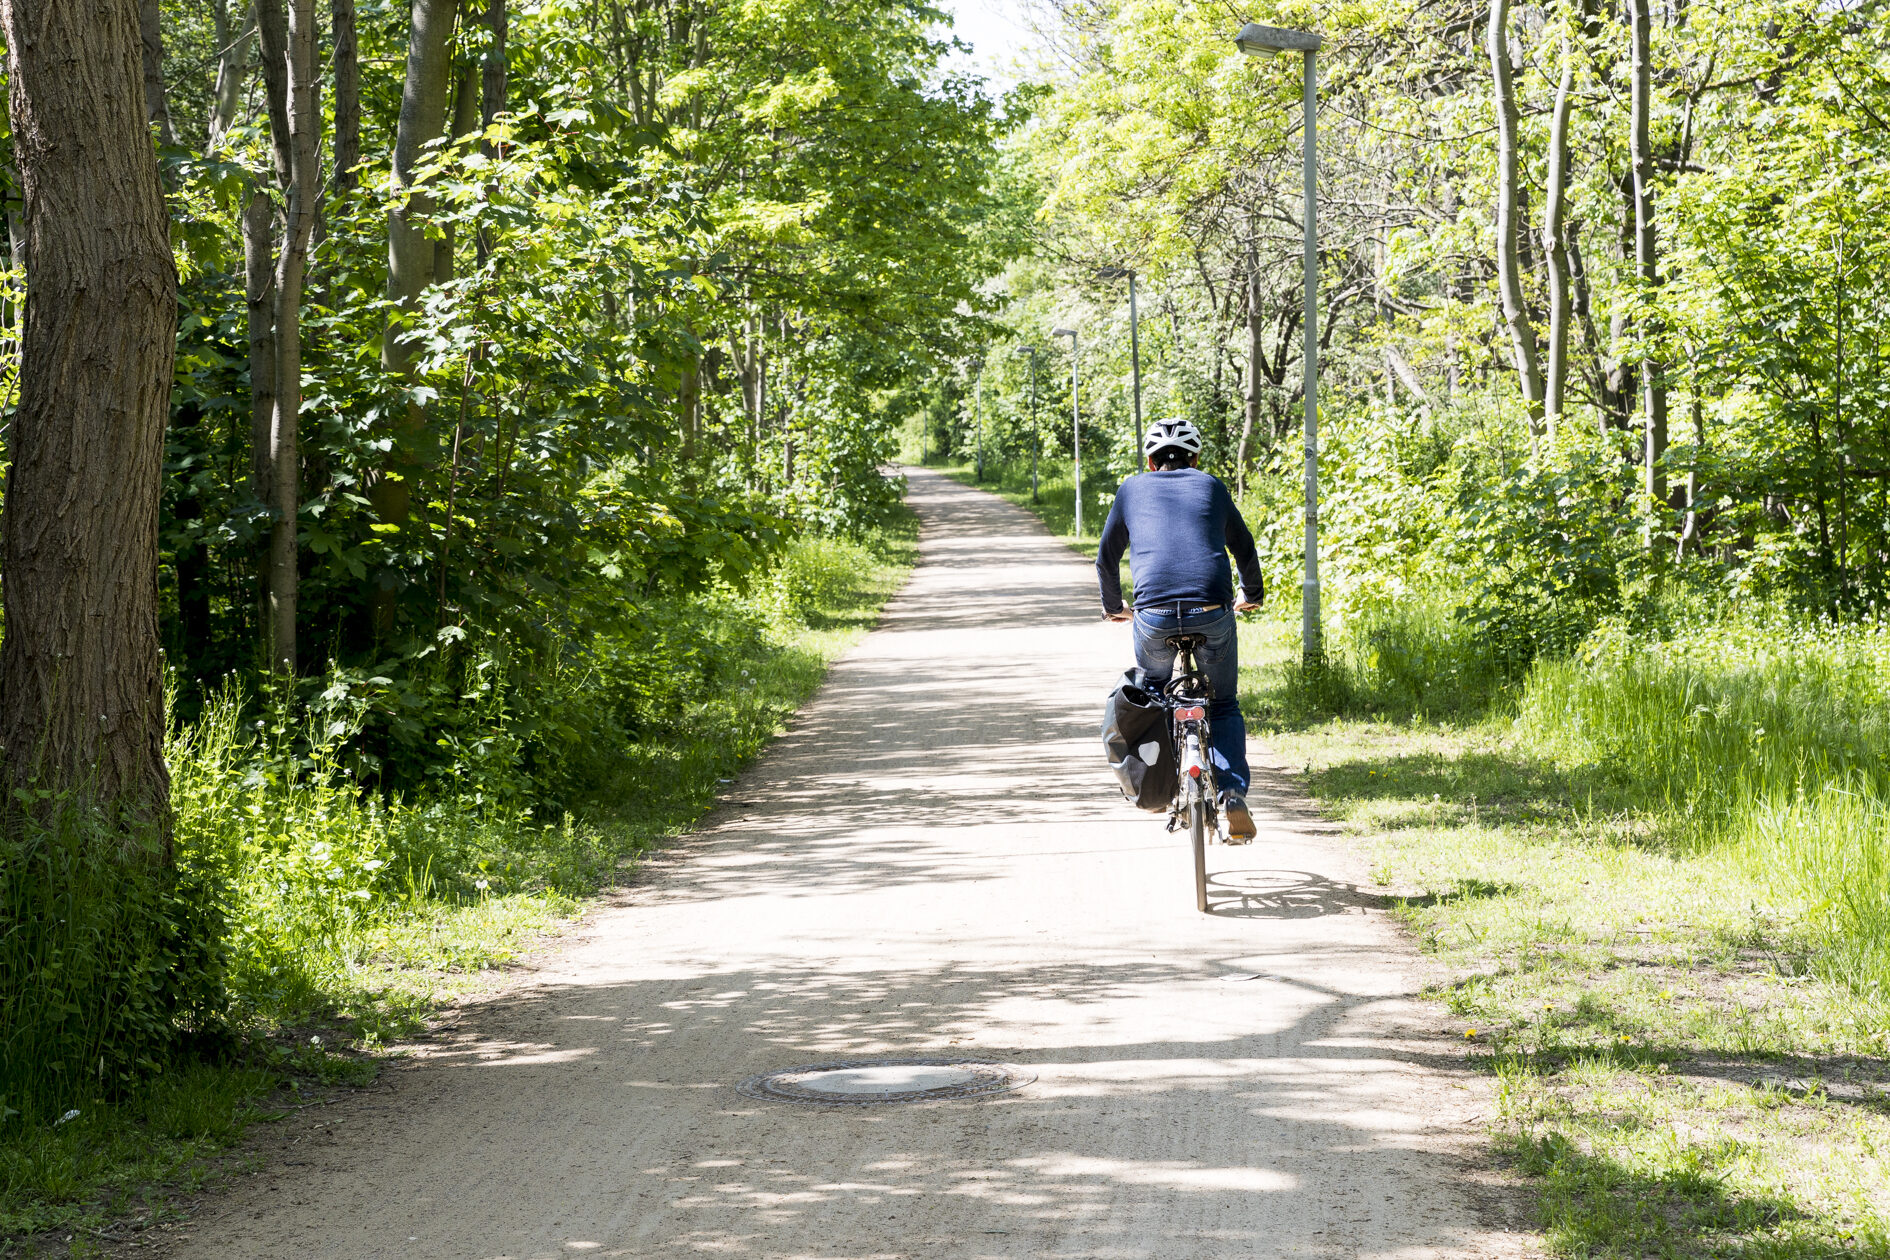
<point>1186,695</point>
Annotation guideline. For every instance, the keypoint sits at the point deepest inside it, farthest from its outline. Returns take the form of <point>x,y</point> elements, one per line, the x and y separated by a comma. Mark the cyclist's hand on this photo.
<point>1246,606</point>
<point>1121,614</point>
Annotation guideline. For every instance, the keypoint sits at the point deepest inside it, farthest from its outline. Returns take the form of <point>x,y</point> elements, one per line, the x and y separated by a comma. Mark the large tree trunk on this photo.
<point>1522,333</point>
<point>347,56</point>
<point>232,67</point>
<point>151,37</point>
<point>1647,260</point>
<point>1555,245</point>
<point>410,258</point>
<point>291,271</point>
<point>81,688</point>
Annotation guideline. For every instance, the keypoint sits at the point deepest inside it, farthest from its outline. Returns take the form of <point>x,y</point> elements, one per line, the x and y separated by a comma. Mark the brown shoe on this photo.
<point>1240,828</point>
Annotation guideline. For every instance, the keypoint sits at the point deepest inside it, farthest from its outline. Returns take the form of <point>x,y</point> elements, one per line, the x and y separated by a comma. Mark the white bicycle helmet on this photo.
<point>1164,434</point>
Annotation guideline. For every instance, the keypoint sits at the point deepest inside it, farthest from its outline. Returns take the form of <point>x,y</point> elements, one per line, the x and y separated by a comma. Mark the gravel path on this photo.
<point>933,862</point>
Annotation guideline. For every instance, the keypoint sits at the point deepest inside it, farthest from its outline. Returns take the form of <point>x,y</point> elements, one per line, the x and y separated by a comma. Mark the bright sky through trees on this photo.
<point>997,30</point>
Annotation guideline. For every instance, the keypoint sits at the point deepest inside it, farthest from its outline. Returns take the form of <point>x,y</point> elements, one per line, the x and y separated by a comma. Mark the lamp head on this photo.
<point>1259,41</point>
<point>1023,350</point>
<point>1114,273</point>
<point>1064,332</point>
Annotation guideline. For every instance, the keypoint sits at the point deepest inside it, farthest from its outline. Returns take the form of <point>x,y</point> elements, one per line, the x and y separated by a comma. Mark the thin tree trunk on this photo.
<point>259,292</point>
<point>234,50</point>
<point>151,36</point>
<point>291,271</point>
<point>347,54</point>
<point>1582,305</point>
<point>1508,266</point>
<point>491,98</point>
<point>272,33</point>
<point>81,684</point>
<point>465,122</point>
<point>689,402</point>
<point>1256,372</point>
<point>1690,530</point>
<point>410,259</point>
<point>1555,244</point>
<point>1647,263</point>
<point>492,102</point>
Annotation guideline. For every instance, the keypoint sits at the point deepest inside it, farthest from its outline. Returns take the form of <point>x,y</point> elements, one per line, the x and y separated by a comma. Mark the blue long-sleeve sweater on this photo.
<point>1178,526</point>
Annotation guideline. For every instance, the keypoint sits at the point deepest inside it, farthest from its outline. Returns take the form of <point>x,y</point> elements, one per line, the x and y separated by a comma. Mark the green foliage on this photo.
<point>1770,737</point>
<point>343,909</point>
<point>106,958</point>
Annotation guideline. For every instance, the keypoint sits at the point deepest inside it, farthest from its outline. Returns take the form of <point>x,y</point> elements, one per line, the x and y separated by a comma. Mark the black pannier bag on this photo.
<point>1140,744</point>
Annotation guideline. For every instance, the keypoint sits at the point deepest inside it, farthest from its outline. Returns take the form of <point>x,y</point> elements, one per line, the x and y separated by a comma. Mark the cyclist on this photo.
<point>1179,523</point>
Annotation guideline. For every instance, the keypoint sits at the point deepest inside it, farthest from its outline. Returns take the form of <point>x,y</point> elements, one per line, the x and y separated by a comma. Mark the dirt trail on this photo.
<point>934,861</point>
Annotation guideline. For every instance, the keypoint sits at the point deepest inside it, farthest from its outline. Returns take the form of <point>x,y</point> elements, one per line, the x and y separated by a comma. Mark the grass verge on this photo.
<point>1671,1067</point>
<point>353,920</point>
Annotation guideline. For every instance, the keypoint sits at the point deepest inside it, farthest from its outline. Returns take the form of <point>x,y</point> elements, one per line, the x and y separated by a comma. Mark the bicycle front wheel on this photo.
<point>1197,832</point>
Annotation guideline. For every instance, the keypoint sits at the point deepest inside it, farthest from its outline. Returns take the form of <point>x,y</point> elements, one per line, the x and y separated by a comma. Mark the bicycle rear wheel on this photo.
<point>1197,833</point>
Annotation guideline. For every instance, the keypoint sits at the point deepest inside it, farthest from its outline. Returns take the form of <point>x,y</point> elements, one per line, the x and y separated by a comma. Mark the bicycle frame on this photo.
<point>1187,695</point>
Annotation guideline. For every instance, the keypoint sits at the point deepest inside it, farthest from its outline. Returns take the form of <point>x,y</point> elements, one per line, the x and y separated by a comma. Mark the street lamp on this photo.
<point>1257,41</point>
<point>1031,353</point>
<point>1076,423</point>
<point>1135,347</point>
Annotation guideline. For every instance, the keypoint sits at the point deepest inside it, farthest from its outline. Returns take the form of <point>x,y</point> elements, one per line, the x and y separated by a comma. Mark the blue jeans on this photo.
<point>1219,659</point>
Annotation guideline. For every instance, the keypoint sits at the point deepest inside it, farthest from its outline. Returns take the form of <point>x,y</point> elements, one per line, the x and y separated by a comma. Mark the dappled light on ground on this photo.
<point>935,861</point>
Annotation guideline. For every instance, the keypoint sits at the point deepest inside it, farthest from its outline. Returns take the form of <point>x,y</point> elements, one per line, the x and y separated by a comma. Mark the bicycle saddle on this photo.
<point>1185,642</point>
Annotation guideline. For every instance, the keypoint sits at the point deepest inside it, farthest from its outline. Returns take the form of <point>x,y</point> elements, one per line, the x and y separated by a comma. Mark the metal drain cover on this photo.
<point>865,1082</point>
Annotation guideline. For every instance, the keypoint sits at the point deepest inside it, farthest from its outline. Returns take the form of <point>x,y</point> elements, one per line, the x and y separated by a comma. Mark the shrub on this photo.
<point>106,958</point>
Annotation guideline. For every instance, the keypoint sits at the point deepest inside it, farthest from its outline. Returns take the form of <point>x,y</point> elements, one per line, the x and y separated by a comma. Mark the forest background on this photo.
<point>534,367</point>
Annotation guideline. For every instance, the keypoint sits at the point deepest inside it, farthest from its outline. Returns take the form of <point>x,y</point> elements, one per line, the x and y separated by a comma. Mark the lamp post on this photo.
<point>1031,353</point>
<point>1257,41</point>
<point>1076,423</point>
<point>1135,347</point>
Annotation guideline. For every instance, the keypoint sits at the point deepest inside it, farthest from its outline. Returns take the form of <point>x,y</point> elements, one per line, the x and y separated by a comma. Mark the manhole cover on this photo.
<point>862,1082</point>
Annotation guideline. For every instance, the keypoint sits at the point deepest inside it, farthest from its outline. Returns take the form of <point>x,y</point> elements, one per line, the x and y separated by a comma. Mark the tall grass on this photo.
<point>1769,741</point>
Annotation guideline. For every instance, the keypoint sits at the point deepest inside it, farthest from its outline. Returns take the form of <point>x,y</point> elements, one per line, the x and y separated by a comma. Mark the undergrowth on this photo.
<point>339,909</point>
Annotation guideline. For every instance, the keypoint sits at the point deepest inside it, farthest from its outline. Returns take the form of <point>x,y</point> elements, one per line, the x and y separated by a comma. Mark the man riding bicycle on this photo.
<point>1178,524</point>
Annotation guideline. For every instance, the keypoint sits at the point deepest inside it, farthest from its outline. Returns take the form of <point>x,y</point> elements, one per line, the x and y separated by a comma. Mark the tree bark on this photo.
<point>410,259</point>
<point>1508,266</point>
<point>233,61</point>
<point>492,102</point>
<point>272,32</point>
<point>1555,244</point>
<point>1647,261</point>
<point>291,272</point>
<point>151,36</point>
<point>347,52</point>
<point>81,687</point>
<point>259,291</point>
<point>1256,372</point>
